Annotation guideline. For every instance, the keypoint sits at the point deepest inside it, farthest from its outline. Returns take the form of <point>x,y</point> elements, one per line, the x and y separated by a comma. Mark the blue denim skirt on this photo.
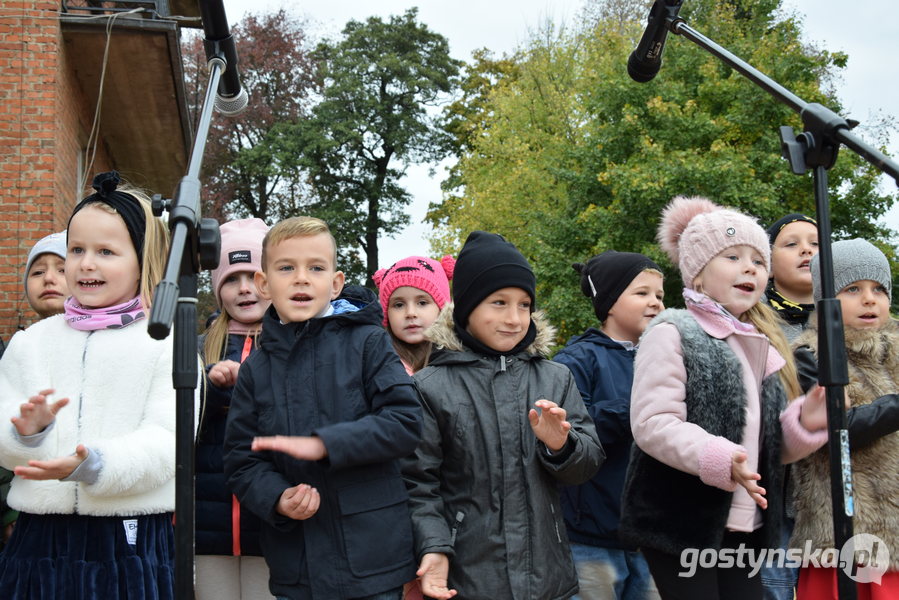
<point>74,557</point>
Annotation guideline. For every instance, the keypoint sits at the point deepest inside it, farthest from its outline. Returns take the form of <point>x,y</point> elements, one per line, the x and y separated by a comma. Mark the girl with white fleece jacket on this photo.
<point>709,410</point>
<point>92,438</point>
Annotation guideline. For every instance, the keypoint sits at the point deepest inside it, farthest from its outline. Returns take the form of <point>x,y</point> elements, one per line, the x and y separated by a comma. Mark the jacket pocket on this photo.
<point>377,529</point>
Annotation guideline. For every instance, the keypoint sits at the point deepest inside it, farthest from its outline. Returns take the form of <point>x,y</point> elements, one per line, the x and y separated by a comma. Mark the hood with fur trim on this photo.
<point>442,334</point>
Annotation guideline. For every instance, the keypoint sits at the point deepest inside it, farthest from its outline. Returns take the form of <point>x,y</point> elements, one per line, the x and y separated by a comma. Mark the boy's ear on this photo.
<point>261,282</point>
<point>337,284</point>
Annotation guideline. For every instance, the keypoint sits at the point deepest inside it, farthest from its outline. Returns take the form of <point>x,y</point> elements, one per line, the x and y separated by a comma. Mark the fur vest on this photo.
<point>662,506</point>
<point>873,358</point>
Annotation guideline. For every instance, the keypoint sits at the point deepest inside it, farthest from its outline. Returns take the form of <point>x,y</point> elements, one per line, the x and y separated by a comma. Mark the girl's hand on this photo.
<point>813,416</point>
<point>224,373</point>
<point>55,468</point>
<point>299,502</point>
<point>742,475</point>
<point>433,571</point>
<point>36,414</point>
<point>550,425</point>
<point>301,447</point>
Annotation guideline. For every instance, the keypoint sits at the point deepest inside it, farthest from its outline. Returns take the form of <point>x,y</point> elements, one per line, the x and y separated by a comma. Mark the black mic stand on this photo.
<point>195,245</point>
<point>817,148</point>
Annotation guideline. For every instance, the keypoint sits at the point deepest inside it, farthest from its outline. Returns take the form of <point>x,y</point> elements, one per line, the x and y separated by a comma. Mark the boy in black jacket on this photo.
<point>319,416</point>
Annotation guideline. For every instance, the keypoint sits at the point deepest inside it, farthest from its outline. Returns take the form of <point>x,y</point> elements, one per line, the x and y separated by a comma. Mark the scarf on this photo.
<point>704,303</point>
<point>793,313</point>
<point>108,317</point>
<point>480,348</point>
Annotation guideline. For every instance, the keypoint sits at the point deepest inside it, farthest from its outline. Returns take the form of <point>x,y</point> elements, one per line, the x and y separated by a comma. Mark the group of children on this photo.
<point>325,471</point>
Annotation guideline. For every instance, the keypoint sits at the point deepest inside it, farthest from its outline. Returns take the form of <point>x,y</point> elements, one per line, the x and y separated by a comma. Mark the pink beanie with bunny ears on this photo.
<point>693,230</point>
<point>425,274</point>
<point>241,251</point>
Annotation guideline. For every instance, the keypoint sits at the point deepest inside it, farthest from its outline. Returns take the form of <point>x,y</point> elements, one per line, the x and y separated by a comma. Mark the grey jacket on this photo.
<point>483,489</point>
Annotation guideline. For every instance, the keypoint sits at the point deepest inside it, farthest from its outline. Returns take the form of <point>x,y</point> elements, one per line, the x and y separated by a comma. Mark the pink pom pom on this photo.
<point>675,218</point>
<point>378,276</point>
<point>449,266</point>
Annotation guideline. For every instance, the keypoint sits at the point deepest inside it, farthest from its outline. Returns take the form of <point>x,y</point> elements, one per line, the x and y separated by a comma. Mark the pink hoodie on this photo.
<point>658,411</point>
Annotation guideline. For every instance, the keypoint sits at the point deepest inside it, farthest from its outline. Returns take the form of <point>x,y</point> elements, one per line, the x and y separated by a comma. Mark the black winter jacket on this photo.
<point>483,489</point>
<point>338,378</point>
<point>604,371</point>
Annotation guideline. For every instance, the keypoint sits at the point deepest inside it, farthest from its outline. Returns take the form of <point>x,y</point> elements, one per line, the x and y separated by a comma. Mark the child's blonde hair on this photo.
<point>295,227</point>
<point>770,325</point>
<point>215,342</point>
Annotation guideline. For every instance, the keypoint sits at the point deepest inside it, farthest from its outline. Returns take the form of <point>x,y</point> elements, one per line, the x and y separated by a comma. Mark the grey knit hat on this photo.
<point>854,260</point>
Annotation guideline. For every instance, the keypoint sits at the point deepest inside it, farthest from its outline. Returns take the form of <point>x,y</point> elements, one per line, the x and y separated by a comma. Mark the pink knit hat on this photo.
<point>241,251</point>
<point>425,274</point>
<point>693,230</point>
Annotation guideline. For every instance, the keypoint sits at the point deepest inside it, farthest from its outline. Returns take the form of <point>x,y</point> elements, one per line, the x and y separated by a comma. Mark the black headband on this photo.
<point>127,206</point>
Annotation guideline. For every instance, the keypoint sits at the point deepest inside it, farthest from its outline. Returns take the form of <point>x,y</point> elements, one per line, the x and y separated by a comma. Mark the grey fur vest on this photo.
<point>873,358</point>
<point>669,510</point>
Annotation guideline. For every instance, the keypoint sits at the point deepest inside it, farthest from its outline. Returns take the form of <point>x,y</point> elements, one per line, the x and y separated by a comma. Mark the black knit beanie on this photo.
<point>782,222</point>
<point>607,275</point>
<point>486,263</point>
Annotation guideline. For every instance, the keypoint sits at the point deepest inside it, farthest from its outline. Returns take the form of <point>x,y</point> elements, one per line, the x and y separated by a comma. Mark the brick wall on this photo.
<point>44,120</point>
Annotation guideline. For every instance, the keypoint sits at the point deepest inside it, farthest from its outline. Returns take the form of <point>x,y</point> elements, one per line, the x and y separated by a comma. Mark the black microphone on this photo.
<point>644,62</point>
<point>231,98</point>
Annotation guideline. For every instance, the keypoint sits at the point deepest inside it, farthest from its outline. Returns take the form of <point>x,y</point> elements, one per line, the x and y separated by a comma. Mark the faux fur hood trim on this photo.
<point>442,334</point>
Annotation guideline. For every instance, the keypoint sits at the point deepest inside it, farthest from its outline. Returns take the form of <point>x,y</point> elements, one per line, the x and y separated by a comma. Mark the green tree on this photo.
<point>574,158</point>
<point>379,84</point>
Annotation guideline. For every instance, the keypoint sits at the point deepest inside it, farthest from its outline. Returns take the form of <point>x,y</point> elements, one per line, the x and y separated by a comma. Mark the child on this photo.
<point>327,391</point>
<point>503,426</point>
<point>794,241</point>
<point>862,278</point>
<point>710,385</point>
<point>94,482</point>
<point>45,275</point>
<point>626,291</point>
<point>229,561</point>
<point>412,293</point>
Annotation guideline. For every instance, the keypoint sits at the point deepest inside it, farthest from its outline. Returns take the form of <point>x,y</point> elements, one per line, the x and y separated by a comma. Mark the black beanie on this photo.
<point>782,222</point>
<point>486,263</point>
<point>607,275</point>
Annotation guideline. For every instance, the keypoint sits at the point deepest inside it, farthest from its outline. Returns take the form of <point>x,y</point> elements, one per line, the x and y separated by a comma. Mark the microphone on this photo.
<point>644,62</point>
<point>231,97</point>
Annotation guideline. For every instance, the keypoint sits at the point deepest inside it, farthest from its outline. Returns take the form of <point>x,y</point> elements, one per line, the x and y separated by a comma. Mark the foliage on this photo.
<point>378,84</point>
<point>244,174</point>
<point>570,157</point>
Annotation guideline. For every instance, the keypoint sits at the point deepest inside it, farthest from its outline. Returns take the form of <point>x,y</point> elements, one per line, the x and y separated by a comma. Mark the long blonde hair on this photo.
<point>770,325</point>
<point>216,340</point>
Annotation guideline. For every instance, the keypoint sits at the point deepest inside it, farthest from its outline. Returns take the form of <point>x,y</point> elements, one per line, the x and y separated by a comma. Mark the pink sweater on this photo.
<point>658,412</point>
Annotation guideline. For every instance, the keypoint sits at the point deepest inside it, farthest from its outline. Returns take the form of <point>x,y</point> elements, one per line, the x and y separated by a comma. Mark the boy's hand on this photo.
<point>433,571</point>
<point>299,502</point>
<point>36,414</point>
<point>550,425</point>
<point>224,373</point>
<point>742,475</point>
<point>813,415</point>
<point>55,468</point>
<point>301,447</point>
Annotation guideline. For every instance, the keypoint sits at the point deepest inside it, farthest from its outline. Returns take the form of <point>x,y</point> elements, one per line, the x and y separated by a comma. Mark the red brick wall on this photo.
<point>44,120</point>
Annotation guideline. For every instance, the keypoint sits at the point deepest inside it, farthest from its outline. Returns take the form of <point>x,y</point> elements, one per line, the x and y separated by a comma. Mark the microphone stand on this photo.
<point>195,245</point>
<point>816,148</point>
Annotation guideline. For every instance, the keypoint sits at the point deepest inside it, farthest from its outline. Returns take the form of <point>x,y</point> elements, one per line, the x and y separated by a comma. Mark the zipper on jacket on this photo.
<point>81,402</point>
<point>460,516</point>
<point>552,509</point>
<point>502,363</point>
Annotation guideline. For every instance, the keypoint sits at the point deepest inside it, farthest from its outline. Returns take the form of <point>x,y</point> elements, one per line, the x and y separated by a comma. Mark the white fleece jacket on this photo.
<point>122,405</point>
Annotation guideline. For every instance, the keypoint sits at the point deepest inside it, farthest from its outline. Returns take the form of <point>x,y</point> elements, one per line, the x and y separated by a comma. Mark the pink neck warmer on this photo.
<point>108,317</point>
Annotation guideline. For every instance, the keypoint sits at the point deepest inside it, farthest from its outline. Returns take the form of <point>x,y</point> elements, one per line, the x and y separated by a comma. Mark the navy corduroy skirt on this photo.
<point>74,557</point>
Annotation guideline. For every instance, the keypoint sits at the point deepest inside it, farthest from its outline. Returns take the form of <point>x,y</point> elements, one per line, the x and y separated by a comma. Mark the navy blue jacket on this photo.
<point>213,498</point>
<point>604,372</point>
<point>336,377</point>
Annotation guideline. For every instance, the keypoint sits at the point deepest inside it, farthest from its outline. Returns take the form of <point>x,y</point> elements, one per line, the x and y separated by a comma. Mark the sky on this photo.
<point>869,87</point>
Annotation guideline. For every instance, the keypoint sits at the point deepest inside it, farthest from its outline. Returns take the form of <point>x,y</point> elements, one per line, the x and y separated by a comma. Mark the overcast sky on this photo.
<point>862,29</point>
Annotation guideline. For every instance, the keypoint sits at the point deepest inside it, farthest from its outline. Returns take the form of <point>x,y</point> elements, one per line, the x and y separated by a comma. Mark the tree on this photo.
<point>379,83</point>
<point>244,174</point>
<point>574,158</point>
